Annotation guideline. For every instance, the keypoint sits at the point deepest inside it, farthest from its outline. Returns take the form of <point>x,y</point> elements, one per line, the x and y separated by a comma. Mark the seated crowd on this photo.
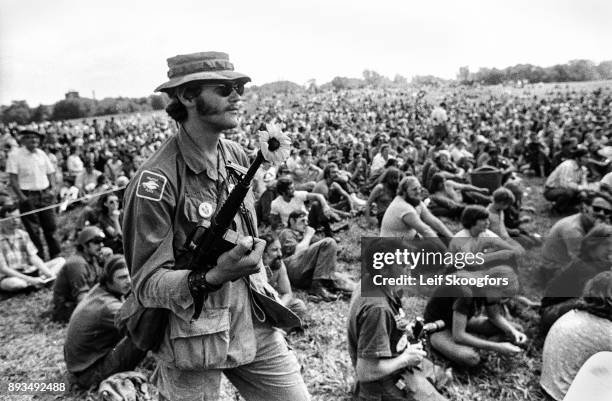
<point>405,170</point>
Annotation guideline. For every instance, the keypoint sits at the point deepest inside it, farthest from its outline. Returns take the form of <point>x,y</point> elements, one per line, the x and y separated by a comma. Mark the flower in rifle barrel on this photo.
<point>275,144</point>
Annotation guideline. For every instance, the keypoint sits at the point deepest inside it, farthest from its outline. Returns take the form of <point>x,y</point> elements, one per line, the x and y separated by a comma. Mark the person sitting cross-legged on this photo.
<point>20,265</point>
<point>94,348</point>
<point>311,265</point>
<point>458,306</point>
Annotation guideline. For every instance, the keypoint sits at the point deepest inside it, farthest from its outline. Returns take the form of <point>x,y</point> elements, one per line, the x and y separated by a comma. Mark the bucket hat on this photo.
<point>203,66</point>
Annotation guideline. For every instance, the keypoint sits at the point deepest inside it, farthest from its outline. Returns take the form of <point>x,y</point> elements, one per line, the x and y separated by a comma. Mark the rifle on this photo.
<point>212,238</point>
<point>207,242</point>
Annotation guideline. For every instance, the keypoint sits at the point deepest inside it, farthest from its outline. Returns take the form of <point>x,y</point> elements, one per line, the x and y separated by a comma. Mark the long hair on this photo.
<point>177,110</point>
<point>115,263</point>
<point>269,237</point>
<point>437,183</point>
<point>102,202</point>
<point>388,174</point>
<point>598,236</point>
<point>471,214</point>
<point>597,296</point>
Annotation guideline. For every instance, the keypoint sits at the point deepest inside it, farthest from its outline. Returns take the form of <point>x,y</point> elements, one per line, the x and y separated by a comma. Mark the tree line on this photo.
<point>573,71</point>
<point>77,107</point>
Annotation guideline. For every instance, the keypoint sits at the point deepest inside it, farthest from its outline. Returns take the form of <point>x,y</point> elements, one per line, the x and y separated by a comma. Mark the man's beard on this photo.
<point>413,201</point>
<point>204,109</point>
<point>215,116</point>
<point>275,264</point>
<point>393,186</point>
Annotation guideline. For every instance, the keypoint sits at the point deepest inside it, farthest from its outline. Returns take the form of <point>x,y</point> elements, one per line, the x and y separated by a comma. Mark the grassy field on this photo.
<point>31,347</point>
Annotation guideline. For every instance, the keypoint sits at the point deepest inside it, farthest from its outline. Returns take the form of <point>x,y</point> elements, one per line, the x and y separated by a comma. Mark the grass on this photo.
<point>31,348</point>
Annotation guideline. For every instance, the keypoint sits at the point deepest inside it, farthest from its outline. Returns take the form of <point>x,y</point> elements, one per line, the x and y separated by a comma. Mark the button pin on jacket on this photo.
<point>205,210</point>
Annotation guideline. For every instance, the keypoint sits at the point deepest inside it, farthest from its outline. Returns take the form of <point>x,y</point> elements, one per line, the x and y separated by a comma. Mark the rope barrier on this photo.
<point>85,197</point>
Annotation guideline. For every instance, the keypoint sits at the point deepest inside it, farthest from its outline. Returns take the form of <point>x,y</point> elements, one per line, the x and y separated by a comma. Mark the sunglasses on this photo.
<point>226,89</point>
<point>97,240</point>
<point>602,210</point>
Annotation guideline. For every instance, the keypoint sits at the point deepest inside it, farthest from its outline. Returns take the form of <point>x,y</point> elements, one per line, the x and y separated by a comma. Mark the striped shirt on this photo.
<point>567,175</point>
<point>16,250</point>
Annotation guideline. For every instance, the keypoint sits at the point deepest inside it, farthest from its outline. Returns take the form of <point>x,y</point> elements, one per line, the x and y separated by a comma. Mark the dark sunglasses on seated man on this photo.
<point>97,240</point>
<point>226,88</point>
<point>602,210</point>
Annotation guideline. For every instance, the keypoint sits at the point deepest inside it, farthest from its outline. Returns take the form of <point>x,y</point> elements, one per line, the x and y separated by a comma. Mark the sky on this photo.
<point>119,48</point>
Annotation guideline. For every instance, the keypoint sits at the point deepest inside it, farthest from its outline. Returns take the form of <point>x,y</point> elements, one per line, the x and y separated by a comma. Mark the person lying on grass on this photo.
<point>467,331</point>
<point>20,265</point>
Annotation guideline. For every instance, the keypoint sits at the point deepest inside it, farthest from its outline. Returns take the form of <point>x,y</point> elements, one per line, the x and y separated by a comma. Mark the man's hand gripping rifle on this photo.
<point>211,239</point>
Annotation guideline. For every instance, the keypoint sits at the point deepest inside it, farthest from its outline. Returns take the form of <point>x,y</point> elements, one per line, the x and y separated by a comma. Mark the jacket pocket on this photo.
<point>202,344</point>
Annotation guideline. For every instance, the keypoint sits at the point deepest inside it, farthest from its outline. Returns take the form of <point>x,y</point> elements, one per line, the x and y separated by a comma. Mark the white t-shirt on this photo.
<point>31,168</point>
<point>393,225</point>
<point>464,242</point>
<point>74,164</point>
<point>438,115</point>
<point>284,209</point>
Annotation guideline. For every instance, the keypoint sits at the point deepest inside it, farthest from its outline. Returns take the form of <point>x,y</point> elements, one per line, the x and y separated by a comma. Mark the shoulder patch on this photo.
<point>151,185</point>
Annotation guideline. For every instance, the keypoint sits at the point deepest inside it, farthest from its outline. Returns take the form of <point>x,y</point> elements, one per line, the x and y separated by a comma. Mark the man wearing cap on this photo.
<point>177,188</point>
<point>32,178</point>
<point>94,348</point>
<point>81,271</point>
<point>565,184</point>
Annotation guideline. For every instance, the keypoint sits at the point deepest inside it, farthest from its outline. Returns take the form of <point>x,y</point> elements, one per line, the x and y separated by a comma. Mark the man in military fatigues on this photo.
<point>183,184</point>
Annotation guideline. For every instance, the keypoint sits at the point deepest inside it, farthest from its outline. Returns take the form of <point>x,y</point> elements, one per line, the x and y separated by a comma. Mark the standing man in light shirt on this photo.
<point>32,177</point>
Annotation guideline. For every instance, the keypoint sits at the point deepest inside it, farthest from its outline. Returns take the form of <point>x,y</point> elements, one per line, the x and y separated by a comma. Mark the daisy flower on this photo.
<point>275,144</point>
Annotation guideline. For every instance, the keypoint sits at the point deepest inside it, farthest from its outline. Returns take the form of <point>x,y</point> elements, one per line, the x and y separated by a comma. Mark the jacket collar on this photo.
<point>196,161</point>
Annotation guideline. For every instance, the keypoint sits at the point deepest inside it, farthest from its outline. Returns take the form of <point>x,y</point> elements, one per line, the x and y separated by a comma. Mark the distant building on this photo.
<point>72,95</point>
